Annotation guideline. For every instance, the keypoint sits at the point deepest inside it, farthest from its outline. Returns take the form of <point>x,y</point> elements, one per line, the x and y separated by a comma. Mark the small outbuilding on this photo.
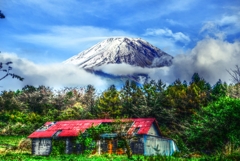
<point>147,138</point>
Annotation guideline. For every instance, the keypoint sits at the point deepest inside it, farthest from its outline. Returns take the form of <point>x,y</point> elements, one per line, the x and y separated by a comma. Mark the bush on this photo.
<point>25,144</point>
<point>215,126</point>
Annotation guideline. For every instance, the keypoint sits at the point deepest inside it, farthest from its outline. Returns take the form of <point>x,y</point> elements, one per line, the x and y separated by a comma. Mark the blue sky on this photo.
<point>47,32</point>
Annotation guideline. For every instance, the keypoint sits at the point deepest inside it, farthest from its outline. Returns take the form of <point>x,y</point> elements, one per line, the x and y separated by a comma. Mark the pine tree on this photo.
<point>109,104</point>
<point>89,99</point>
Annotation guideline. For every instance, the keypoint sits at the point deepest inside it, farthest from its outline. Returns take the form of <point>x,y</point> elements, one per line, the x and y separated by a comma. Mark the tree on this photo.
<point>39,100</point>
<point>152,97</point>
<point>233,90</point>
<point>219,90</point>
<point>181,102</point>
<point>235,74</point>
<point>109,104</point>
<point>200,82</point>
<point>9,102</point>
<point>77,112</point>
<point>89,99</point>
<point>175,98</point>
<point>68,97</point>
<point>6,68</point>
<point>131,99</point>
<point>215,125</point>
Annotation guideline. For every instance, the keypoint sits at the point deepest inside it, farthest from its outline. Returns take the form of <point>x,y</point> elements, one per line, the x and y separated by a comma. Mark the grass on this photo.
<point>9,142</point>
<point>65,157</point>
<point>12,140</point>
<point>14,153</point>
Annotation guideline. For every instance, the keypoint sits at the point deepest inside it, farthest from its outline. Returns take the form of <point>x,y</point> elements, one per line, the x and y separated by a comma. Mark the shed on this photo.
<point>149,139</point>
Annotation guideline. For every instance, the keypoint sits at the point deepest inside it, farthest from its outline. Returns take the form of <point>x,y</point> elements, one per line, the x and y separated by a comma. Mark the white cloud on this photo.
<point>129,70</point>
<point>211,29</point>
<point>53,75</point>
<point>228,20</point>
<point>173,22</point>
<point>208,26</point>
<point>122,69</point>
<point>220,28</point>
<point>70,37</point>
<point>210,58</point>
<point>178,36</point>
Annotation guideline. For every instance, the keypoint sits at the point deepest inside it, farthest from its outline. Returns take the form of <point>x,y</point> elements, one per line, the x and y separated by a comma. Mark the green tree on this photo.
<point>38,100</point>
<point>76,112</point>
<point>150,92</point>
<point>218,90</point>
<point>89,99</point>
<point>153,99</point>
<point>109,104</point>
<point>216,125</point>
<point>175,98</point>
<point>200,82</point>
<point>9,102</point>
<point>132,99</point>
<point>68,97</point>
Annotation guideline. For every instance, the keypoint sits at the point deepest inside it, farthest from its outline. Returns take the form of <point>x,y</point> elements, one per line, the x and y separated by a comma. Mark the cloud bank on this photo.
<point>52,75</point>
<point>210,58</point>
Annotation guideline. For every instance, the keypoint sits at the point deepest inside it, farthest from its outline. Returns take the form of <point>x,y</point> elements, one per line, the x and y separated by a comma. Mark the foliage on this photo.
<point>58,147</point>
<point>219,90</point>
<point>72,113</point>
<point>216,125</point>
<point>25,144</point>
<point>89,138</point>
<point>109,104</point>
<point>132,100</point>
<point>199,118</point>
<point>233,90</point>
<point>26,155</point>
<point>89,99</point>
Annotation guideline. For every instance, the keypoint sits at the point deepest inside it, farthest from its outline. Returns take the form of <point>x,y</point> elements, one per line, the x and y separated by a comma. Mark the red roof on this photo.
<point>74,127</point>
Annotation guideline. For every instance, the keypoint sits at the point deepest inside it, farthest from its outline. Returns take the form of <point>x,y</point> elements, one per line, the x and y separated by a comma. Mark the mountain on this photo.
<point>132,51</point>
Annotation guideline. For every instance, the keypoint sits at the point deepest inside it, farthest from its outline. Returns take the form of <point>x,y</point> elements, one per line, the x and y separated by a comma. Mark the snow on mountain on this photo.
<point>135,54</point>
<point>132,51</point>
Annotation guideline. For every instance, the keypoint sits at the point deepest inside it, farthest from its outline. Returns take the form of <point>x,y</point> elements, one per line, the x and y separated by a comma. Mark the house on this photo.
<point>147,137</point>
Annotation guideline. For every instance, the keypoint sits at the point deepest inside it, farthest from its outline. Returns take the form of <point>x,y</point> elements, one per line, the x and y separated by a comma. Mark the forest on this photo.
<point>200,118</point>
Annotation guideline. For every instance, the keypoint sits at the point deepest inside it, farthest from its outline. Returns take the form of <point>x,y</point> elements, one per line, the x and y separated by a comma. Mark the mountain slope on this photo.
<point>132,51</point>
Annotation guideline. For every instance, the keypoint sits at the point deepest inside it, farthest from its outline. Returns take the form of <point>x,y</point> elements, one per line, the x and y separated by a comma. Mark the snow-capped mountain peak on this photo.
<point>132,51</point>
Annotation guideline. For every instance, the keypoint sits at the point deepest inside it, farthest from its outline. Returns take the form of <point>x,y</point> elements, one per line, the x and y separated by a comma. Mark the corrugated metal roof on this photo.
<point>74,127</point>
